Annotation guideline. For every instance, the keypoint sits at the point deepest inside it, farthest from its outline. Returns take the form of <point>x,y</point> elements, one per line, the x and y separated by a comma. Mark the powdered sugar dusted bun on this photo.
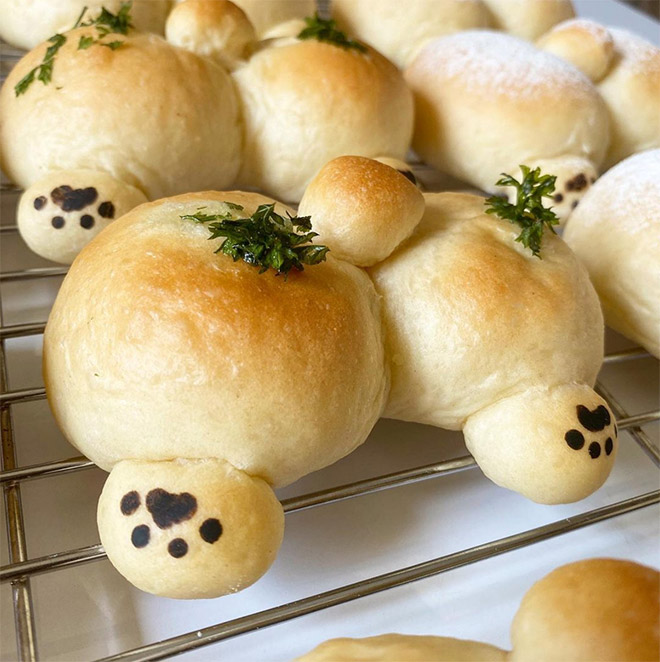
<point>277,377</point>
<point>398,29</point>
<point>92,116</point>
<point>584,43</point>
<point>212,28</point>
<point>26,24</point>
<point>631,91</point>
<point>296,120</point>
<point>487,102</point>
<point>362,209</point>
<point>616,233</point>
<point>529,19</point>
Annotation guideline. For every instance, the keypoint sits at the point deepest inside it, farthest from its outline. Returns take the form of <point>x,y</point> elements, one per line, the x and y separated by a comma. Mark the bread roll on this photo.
<point>528,19</point>
<point>487,103</point>
<point>266,15</point>
<point>297,120</point>
<point>212,28</point>
<point>362,209</point>
<point>399,29</point>
<point>616,233</point>
<point>482,335</point>
<point>597,610</point>
<point>151,115</point>
<point>26,24</point>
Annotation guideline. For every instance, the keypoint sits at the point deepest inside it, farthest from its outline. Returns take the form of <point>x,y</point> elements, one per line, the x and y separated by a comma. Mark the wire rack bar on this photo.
<point>46,469</point>
<point>31,274</point>
<point>215,633</point>
<point>21,330</point>
<point>626,355</point>
<point>8,229</point>
<point>22,395</point>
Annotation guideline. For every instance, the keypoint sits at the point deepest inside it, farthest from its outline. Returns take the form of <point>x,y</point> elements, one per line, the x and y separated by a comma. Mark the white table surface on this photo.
<point>90,611</point>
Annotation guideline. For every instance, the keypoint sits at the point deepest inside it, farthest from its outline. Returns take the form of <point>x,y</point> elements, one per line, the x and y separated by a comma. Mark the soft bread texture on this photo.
<point>62,212</point>
<point>528,19</point>
<point>224,537</point>
<point>487,102</point>
<point>218,29</point>
<point>25,24</point>
<point>93,116</point>
<point>398,29</point>
<point>403,648</point>
<point>157,348</point>
<point>297,120</point>
<point>616,233</point>
<point>362,209</point>
<point>597,610</point>
<point>604,610</point>
<point>266,15</point>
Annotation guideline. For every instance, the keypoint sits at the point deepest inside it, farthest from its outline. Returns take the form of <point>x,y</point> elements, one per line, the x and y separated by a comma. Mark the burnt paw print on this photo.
<point>593,421</point>
<point>167,510</point>
<point>68,199</point>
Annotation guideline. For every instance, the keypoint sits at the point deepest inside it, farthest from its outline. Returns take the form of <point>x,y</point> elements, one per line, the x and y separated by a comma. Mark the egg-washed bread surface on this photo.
<point>616,233</point>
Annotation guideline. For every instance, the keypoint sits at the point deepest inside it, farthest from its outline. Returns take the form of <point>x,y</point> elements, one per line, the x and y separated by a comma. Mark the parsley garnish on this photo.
<point>528,211</point>
<point>265,240</point>
<point>105,23</point>
<point>326,30</point>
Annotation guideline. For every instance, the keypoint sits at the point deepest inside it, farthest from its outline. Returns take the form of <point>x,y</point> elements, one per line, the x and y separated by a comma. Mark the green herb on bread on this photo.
<point>528,210</point>
<point>326,30</point>
<point>265,239</point>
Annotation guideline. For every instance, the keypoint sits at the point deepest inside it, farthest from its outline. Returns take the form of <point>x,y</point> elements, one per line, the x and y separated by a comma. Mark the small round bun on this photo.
<point>616,233</point>
<point>528,19</point>
<point>212,28</point>
<point>26,24</point>
<point>64,211</point>
<point>189,528</point>
<point>362,209</point>
<point>598,609</point>
<point>279,377</point>
<point>585,44</point>
<point>487,102</point>
<point>266,15</point>
<point>297,120</point>
<point>397,648</point>
<point>631,91</point>
<point>399,29</point>
<point>92,115</point>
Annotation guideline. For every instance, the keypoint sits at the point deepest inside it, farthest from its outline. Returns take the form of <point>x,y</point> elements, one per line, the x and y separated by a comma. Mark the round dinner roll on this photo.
<point>26,24</point>
<point>157,348</point>
<point>154,116</point>
<point>528,19</point>
<point>487,102</point>
<point>585,44</point>
<point>297,120</point>
<point>484,336</point>
<point>61,213</point>
<point>399,29</point>
<point>361,208</point>
<point>616,233</point>
<point>597,609</point>
<point>218,29</point>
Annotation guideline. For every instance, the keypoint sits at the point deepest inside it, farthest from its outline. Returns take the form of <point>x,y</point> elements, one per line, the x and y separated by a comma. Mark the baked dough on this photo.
<point>597,610</point>
<point>487,102</point>
<point>616,234</point>
<point>528,19</point>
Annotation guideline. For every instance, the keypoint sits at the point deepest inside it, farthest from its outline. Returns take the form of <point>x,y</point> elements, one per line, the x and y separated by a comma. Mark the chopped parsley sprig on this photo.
<point>265,239</point>
<point>326,30</point>
<point>105,23</point>
<point>528,210</point>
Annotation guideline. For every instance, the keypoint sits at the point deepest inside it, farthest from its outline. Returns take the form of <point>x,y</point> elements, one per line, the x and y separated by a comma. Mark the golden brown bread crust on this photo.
<point>157,348</point>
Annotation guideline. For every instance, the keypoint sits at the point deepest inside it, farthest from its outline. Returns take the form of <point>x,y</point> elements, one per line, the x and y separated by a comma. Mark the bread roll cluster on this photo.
<point>200,383</point>
<point>597,610</point>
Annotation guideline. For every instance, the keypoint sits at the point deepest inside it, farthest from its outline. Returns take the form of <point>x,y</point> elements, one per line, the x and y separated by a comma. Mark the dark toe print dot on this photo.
<point>210,530</point>
<point>40,202</point>
<point>595,420</point>
<point>575,439</point>
<point>87,221</point>
<point>57,222</point>
<point>594,449</point>
<point>107,210</point>
<point>574,204</point>
<point>130,502</point>
<point>178,548</point>
<point>578,183</point>
<point>609,446</point>
<point>558,197</point>
<point>140,536</point>
<point>168,509</point>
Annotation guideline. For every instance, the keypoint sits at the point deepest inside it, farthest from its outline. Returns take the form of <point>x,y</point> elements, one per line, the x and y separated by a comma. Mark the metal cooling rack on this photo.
<point>21,568</point>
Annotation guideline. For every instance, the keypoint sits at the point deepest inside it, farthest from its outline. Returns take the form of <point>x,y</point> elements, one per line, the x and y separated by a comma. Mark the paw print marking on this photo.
<point>592,421</point>
<point>595,420</point>
<point>73,199</point>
